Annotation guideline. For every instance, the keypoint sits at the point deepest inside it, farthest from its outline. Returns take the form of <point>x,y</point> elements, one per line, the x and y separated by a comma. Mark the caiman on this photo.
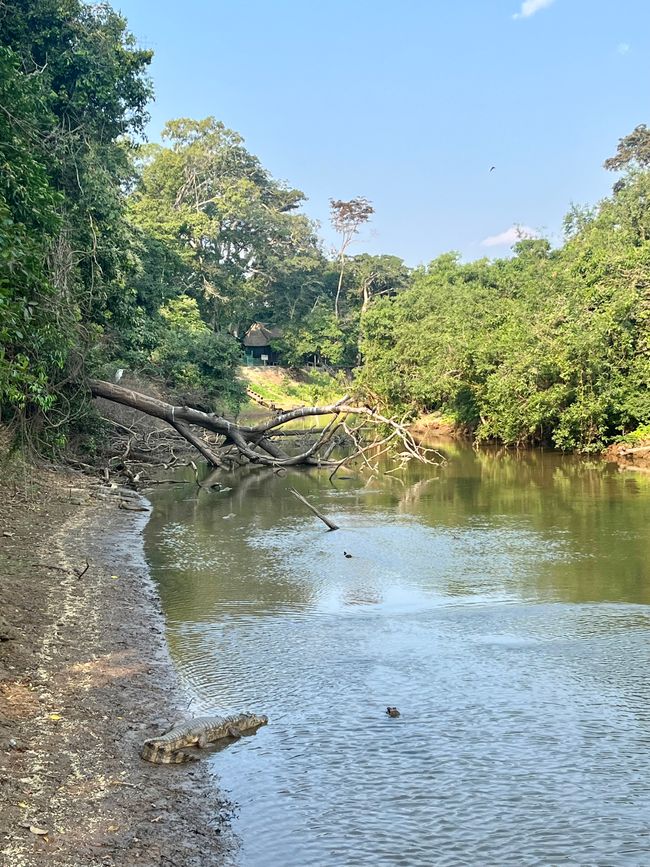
<point>199,732</point>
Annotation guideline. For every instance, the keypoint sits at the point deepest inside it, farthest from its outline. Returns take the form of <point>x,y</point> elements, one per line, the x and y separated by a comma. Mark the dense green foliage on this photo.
<point>115,254</point>
<point>28,217</point>
<point>158,258</point>
<point>551,346</point>
<point>73,89</point>
<point>207,199</point>
<point>189,355</point>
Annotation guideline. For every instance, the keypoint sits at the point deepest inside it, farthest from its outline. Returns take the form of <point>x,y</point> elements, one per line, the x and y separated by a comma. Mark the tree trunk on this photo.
<point>338,289</point>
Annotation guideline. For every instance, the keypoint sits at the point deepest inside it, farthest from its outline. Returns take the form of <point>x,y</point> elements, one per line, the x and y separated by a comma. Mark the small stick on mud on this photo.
<point>84,570</point>
<point>330,524</point>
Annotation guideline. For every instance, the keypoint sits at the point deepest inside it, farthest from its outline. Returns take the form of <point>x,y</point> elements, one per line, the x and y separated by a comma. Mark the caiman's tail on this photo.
<point>160,754</point>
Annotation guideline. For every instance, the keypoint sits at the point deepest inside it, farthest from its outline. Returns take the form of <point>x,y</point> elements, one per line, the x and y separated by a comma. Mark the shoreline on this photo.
<point>85,677</point>
<point>625,455</point>
<point>629,456</point>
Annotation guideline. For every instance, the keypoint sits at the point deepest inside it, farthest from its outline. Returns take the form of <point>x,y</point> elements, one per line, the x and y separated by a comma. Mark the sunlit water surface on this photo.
<point>502,602</point>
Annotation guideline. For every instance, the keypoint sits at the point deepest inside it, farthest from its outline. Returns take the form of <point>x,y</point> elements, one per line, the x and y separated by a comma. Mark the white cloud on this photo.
<point>509,237</point>
<point>530,7</point>
<point>623,47</point>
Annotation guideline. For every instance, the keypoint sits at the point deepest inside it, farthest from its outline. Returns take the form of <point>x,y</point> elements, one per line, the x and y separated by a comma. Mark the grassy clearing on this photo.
<point>290,388</point>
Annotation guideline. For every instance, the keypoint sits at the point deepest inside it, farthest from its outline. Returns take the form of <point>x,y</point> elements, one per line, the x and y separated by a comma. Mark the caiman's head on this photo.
<point>253,721</point>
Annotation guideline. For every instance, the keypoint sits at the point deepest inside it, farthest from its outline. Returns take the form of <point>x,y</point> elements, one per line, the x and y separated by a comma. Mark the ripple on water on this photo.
<point>525,730</point>
<point>507,752</point>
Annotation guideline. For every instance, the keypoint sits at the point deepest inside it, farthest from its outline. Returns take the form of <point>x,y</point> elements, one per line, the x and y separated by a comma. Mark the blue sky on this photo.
<point>410,103</point>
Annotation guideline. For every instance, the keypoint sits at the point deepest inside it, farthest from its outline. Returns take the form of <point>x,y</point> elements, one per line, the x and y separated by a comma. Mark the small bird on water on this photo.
<point>345,554</point>
<point>392,711</point>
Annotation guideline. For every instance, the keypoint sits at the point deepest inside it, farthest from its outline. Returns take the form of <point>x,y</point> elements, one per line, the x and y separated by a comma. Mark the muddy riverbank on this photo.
<point>633,457</point>
<point>85,676</point>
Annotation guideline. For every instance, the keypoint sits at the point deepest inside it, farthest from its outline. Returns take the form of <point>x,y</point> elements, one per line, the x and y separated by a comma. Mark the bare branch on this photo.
<point>330,524</point>
<point>300,412</point>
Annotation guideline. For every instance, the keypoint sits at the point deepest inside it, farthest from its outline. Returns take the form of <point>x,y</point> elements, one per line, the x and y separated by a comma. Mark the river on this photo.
<point>500,601</point>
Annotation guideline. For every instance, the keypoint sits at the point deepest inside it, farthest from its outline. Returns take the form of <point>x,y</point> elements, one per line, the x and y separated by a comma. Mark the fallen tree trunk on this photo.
<point>200,445</point>
<point>255,444</point>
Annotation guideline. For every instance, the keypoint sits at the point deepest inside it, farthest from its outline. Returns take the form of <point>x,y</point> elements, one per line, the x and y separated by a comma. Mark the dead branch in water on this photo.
<point>330,524</point>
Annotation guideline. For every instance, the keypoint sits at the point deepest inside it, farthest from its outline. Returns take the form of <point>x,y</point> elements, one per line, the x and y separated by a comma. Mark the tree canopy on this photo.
<point>74,90</point>
<point>210,201</point>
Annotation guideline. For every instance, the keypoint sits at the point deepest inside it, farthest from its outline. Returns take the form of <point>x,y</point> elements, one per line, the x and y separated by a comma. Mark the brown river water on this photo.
<point>501,602</point>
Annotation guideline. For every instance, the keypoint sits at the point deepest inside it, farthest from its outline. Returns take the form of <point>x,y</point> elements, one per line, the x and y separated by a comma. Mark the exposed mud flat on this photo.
<point>85,677</point>
<point>636,457</point>
<point>435,425</point>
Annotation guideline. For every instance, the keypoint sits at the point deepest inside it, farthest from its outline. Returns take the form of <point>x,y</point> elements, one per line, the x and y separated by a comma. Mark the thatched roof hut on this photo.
<point>257,342</point>
<point>261,335</point>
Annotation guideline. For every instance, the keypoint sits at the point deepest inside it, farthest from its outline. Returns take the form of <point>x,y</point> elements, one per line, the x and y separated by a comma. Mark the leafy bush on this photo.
<point>640,435</point>
<point>547,347</point>
<point>191,356</point>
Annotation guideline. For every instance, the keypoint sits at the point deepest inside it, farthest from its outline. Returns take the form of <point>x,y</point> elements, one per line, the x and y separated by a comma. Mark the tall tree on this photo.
<point>633,151</point>
<point>29,220</point>
<point>210,200</point>
<point>376,276</point>
<point>347,218</point>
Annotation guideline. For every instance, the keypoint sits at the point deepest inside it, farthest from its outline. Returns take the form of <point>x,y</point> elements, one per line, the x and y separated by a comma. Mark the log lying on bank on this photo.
<point>255,443</point>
